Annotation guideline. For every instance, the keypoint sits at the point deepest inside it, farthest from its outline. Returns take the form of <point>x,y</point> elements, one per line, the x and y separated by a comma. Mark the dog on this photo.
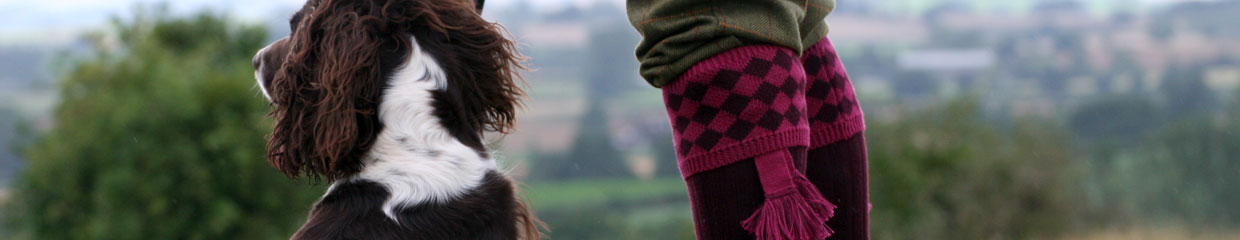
<point>388,100</point>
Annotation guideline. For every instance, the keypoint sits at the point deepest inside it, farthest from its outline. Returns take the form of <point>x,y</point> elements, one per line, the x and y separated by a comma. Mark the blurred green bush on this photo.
<point>158,135</point>
<point>949,173</point>
<point>1183,172</point>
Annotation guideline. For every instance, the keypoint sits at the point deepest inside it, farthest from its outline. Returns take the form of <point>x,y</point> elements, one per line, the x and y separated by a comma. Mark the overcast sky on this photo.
<point>24,21</point>
<point>59,20</point>
<point>56,20</point>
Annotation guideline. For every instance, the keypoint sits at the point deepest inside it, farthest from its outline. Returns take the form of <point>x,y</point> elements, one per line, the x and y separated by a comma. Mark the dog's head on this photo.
<point>326,80</point>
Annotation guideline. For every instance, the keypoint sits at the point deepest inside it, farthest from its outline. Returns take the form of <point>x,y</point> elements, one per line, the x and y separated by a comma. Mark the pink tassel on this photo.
<point>792,215</point>
<point>820,205</point>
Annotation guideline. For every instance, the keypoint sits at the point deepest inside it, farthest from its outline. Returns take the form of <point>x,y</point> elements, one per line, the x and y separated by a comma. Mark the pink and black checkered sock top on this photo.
<point>751,103</point>
<point>736,105</point>
<point>834,114</point>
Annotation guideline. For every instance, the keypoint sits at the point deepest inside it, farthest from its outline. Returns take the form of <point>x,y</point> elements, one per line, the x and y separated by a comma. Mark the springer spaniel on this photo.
<point>388,100</point>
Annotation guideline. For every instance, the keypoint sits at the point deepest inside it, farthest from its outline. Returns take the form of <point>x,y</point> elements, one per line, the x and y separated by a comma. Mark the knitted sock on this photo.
<point>839,170</point>
<point>837,162</point>
<point>724,197</point>
<point>740,127</point>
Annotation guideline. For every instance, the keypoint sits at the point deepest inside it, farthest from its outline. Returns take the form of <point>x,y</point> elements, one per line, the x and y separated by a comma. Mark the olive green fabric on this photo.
<point>676,34</point>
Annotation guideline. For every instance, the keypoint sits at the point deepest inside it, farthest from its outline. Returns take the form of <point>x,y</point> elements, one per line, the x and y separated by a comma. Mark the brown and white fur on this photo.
<point>388,100</point>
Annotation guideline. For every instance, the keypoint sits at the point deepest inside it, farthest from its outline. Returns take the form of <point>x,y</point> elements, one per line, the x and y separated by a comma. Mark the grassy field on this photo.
<point>613,209</point>
<point>659,209</point>
<point>1157,233</point>
<point>578,194</point>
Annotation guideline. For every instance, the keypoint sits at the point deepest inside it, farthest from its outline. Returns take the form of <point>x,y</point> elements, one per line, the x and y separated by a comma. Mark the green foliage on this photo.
<point>158,137</point>
<point>1121,119</point>
<point>1197,162</point>
<point>1178,165</point>
<point>1187,172</point>
<point>948,173</point>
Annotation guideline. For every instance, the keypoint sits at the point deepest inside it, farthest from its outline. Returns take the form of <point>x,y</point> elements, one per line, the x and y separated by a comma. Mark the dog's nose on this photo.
<point>258,62</point>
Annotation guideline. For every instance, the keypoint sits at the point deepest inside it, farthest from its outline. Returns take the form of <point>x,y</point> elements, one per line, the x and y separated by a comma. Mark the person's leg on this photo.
<point>735,90</point>
<point>726,196</point>
<point>740,127</point>
<point>837,162</point>
<point>839,170</point>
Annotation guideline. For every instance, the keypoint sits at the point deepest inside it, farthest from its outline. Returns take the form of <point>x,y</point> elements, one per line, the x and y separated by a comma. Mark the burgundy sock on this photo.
<point>726,196</point>
<point>741,132</point>
<point>839,170</point>
<point>836,161</point>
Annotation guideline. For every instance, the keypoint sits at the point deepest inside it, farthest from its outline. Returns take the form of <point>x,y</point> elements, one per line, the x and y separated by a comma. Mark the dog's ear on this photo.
<point>327,91</point>
<point>488,84</point>
<point>483,90</point>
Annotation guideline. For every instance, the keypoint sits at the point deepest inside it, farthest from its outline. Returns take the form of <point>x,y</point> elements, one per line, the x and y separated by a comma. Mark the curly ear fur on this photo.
<point>326,93</point>
<point>480,61</point>
<point>328,89</point>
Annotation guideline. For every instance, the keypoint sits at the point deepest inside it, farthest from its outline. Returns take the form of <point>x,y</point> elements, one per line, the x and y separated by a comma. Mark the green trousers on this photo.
<point>679,33</point>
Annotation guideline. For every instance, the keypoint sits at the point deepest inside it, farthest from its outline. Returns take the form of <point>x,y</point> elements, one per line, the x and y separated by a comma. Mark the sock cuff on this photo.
<point>749,148</point>
<point>840,130</point>
<point>735,105</point>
